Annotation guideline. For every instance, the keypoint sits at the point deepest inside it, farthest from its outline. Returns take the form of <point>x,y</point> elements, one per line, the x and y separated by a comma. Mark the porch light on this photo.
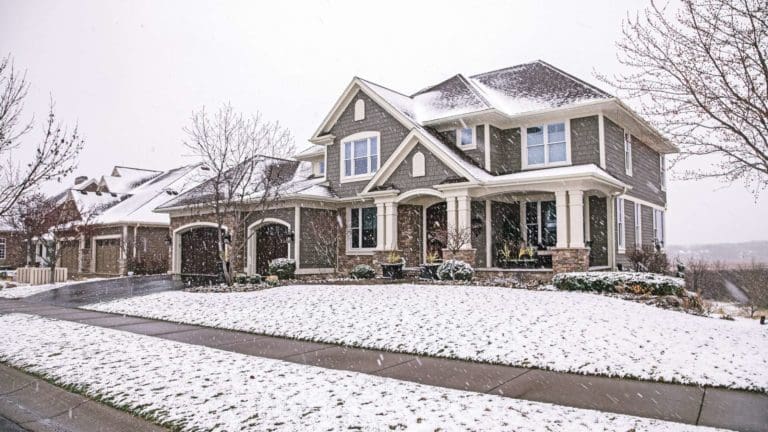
<point>227,239</point>
<point>168,240</point>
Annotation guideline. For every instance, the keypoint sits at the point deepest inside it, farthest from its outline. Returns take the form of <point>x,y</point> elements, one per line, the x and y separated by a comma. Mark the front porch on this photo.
<point>499,230</point>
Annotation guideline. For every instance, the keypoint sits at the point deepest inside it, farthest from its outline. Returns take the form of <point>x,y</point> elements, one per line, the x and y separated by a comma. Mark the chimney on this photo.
<point>80,179</point>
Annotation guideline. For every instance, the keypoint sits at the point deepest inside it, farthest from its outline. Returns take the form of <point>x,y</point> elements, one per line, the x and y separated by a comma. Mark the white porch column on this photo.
<point>450,211</point>
<point>488,234</point>
<point>297,236</point>
<point>561,204</point>
<point>611,229</point>
<point>390,238</point>
<point>464,216</point>
<point>380,226</point>
<point>576,219</point>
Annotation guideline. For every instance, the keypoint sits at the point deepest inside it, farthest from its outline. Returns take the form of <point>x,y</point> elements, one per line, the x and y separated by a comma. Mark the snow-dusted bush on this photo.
<point>455,270</point>
<point>363,271</point>
<point>620,282</point>
<point>283,268</point>
<point>255,279</point>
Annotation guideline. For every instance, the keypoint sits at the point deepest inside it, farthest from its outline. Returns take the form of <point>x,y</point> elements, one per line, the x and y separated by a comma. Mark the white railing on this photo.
<point>40,275</point>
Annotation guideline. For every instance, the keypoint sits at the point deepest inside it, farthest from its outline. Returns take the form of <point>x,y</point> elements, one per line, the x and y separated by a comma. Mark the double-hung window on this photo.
<point>627,152</point>
<point>360,156</point>
<point>621,235</point>
<point>541,223</point>
<point>638,225</point>
<point>658,226</point>
<point>546,145</point>
<point>362,224</point>
<point>2,248</point>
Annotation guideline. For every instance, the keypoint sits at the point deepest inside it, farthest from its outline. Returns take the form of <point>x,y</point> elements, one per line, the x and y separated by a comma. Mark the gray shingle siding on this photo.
<point>311,255</point>
<point>505,150</point>
<point>629,226</point>
<point>585,141</point>
<point>647,226</point>
<point>284,214</point>
<point>477,155</point>
<point>376,119</point>
<point>646,178</point>
<point>435,172</point>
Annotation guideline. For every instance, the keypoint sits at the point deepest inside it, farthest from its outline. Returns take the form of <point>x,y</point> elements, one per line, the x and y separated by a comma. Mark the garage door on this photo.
<point>200,252</point>
<point>69,256</point>
<point>107,256</point>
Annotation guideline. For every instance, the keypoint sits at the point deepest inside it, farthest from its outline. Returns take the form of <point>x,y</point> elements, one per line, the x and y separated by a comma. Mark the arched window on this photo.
<point>359,110</point>
<point>417,165</point>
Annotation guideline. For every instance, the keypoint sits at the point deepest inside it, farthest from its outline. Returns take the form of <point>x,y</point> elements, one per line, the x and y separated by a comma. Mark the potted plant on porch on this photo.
<point>429,269</point>
<point>527,256</point>
<point>393,267</point>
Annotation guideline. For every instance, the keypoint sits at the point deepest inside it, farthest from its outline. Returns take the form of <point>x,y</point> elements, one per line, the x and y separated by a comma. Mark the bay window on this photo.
<point>362,224</point>
<point>360,155</point>
<point>465,137</point>
<point>545,145</point>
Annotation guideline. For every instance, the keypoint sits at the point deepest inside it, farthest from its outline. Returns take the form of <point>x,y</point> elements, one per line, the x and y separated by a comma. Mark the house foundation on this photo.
<point>570,260</point>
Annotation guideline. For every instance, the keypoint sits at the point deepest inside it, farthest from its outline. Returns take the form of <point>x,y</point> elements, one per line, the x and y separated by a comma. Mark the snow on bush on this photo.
<point>362,271</point>
<point>620,282</point>
<point>455,270</point>
<point>283,268</point>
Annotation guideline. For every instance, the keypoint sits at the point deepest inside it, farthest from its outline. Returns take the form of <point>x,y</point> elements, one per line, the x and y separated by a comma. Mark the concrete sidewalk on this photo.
<point>31,404</point>
<point>739,410</point>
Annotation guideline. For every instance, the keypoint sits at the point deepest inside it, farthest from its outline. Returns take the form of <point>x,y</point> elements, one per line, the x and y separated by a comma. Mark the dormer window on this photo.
<point>465,138</point>
<point>359,156</point>
<point>545,145</point>
<point>318,168</point>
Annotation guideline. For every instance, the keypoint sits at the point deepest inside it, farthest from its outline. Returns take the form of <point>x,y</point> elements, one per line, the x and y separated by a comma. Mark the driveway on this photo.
<point>76,295</point>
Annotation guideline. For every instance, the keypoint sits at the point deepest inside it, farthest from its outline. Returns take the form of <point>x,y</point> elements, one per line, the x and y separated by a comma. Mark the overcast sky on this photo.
<point>131,72</point>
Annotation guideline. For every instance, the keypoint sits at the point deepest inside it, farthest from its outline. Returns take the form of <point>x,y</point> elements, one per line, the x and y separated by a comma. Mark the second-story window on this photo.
<point>546,145</point>
<point>360,155</point>
<point>627,152</point>
<point>465,137</point>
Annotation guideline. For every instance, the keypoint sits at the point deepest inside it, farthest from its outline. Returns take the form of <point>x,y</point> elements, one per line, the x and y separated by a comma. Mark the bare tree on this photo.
<point>324,231</point>
<point>752,279</point>
<point>457,238</point>
<point>29,218</point>
<point>245,155</point>
<point>700,74</point>
<point>54,157</point>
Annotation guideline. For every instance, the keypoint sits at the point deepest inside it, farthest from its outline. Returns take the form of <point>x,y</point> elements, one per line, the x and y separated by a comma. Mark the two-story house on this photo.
<point>523,156</point>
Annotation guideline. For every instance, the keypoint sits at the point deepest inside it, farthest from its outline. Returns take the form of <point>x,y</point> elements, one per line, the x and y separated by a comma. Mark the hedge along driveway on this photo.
<point>562,331</point>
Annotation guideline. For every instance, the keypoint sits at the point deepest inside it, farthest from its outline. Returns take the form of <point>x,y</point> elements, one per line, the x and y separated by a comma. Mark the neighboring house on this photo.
<point>12,248</point>
<point>119,231</point>
<point>527,155</point>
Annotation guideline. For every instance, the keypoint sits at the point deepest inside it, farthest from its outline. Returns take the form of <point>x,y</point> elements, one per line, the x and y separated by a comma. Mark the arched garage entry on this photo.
<point>269,238</point>
<point>195,250</point>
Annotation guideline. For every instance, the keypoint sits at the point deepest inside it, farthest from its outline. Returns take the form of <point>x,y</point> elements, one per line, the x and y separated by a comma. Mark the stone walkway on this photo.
<point>31,404</point>
<point>738,410</point>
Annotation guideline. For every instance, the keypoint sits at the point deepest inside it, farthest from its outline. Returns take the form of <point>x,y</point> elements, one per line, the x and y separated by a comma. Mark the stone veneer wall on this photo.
<point>344,262</point>
<point>466,255</point>
<point>570,260</point>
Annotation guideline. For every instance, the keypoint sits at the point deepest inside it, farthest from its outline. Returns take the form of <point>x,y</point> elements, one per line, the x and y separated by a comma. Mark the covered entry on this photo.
<point>269,239</point>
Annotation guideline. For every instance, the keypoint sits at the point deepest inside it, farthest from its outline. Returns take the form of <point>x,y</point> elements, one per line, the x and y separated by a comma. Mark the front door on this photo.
<point>271,243</point>
<point>437,234</point>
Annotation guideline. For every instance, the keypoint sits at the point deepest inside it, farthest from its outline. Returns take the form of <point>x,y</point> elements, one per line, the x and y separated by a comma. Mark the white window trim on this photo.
<point>659,232</point>
<point>360,250</point>
<point>472,146</point>
<point>621,229</point>
<point>3,248</point>
<point>546,164</point>
<point>628,153</point>
<point>638,225</point>
<point>357,136</point>
<point>663,172</point>
<point>539,222</point>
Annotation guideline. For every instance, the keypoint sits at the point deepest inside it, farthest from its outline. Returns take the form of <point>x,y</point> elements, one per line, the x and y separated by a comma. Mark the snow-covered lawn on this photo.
<point>562,331</point>
<point>21,290</point>
<point>202,388</point>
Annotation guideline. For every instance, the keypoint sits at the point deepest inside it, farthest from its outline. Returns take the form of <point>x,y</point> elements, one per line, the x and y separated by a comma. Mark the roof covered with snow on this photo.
<point>513,91</point>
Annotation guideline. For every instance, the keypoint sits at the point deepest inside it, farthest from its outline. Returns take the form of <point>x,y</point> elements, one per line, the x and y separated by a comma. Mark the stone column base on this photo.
<point>466,255</point>
<point>570,260</point>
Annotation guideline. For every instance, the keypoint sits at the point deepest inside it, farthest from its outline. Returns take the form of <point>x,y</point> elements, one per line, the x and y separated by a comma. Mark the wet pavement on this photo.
<point>738,410</point>
<point>81,294</point>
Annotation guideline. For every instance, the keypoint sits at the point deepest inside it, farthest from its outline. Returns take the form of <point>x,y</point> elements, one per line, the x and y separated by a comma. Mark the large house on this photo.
<point>524,156</point>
